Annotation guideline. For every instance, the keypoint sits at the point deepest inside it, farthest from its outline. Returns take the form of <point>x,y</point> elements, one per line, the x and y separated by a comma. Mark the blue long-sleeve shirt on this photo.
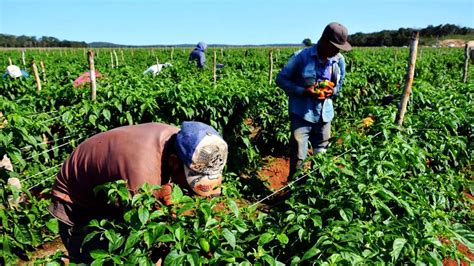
<point>198,54</point>
<point>302,71</point>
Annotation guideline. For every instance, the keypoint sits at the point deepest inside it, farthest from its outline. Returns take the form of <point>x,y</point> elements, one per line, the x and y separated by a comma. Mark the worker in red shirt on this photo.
<point>192,157</point>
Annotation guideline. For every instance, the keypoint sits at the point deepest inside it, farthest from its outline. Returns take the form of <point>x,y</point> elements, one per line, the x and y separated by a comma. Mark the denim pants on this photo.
<point>302,131</point>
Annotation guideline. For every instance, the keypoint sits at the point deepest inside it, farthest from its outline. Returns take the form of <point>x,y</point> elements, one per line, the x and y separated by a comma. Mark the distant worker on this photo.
<point>156,69</point>
<point>192,157</point>
<point>198,55</point>
<point>15,72</point>
<point>311,79</point>
<point>85,78</point>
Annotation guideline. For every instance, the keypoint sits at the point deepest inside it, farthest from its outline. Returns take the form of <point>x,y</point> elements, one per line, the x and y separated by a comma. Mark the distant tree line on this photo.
<point>31,41</point>
<point>398,37</point>
<point>402,36</point>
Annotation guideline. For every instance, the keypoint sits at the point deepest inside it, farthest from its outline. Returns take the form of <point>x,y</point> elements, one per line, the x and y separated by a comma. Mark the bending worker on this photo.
<point>192,157</point>
<point>198,55</point>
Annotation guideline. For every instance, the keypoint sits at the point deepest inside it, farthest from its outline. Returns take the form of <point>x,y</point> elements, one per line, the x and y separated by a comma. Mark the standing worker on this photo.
<point>311,79</point>
<point>198,55</point>
<point>192,157</point>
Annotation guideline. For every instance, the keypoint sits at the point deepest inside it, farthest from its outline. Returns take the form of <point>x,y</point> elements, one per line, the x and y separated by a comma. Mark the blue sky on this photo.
<point>140,22</point>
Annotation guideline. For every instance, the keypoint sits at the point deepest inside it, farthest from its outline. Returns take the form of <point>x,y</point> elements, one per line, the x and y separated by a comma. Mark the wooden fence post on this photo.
<point>92,75</point>
<point>116,59</point>
<point>466,63</point>
<point>270,71</point>
<point>37,78</point>
<point>214,68</point>
<point>112,59</point>
<point>43,70</point>
<point>402,107</point>
<point>23,57</point>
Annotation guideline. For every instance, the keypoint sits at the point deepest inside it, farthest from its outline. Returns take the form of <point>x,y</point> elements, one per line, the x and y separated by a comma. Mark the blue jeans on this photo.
<point>318,135</point>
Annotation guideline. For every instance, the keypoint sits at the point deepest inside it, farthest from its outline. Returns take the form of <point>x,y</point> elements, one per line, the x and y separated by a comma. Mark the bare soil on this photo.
<point>275,172</point>
<point>45,250</point>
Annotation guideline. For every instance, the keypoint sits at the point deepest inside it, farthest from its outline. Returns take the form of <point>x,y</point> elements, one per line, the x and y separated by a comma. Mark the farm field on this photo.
<point>381,194</point>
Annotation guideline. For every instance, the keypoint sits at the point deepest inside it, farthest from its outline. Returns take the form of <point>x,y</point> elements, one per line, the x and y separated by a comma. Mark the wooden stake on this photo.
<point>92,75</point>
<point>172,51</point>
<point>466,63</point>
<point>10,61</point>
<point>270,71</point>
<point>214,68</point>
<point>37,78</point>
<point>43,70</point>
<point>222,52</point>
<point>23,57</point>
<point>123,58</point>
<point>116,59</point>
<point>112,59</point>
<point>402,107</point>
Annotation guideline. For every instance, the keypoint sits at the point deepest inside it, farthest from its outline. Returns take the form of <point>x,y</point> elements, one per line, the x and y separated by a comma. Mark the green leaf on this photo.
<point>53,225</point>
<point>346,214</point>
<point>193,258</point>
<point>173,258</point>
<point>310,253</point>
<point>143,215</point>
<point>229,236</point>
<point>132,240</point>
<point>176,194</point>
<point>21,234</point>
<point>265,238</point>
<point>129,118</point>
<point>234,208</point>
<point>106,114</point>
<point>179,233</point>
<point>148,238</point>
<point>99,254</point>
<point>92,119</point>
<point>283,238</point>
<point>240,226</point>
<point>166,238</point>
<point>398,245</point>
<point>211,222</point>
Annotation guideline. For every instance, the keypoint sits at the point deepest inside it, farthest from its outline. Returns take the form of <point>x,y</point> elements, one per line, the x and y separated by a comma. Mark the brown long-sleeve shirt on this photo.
<point>132,153</point>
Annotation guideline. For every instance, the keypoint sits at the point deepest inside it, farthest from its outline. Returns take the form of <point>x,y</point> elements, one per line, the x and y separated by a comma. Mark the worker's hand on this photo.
<point>329,91</point>
<point>310,91</point>
<point>164,194</point>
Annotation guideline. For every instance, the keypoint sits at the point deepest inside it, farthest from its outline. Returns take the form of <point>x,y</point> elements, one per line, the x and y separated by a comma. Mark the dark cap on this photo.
<point>336,33</point>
